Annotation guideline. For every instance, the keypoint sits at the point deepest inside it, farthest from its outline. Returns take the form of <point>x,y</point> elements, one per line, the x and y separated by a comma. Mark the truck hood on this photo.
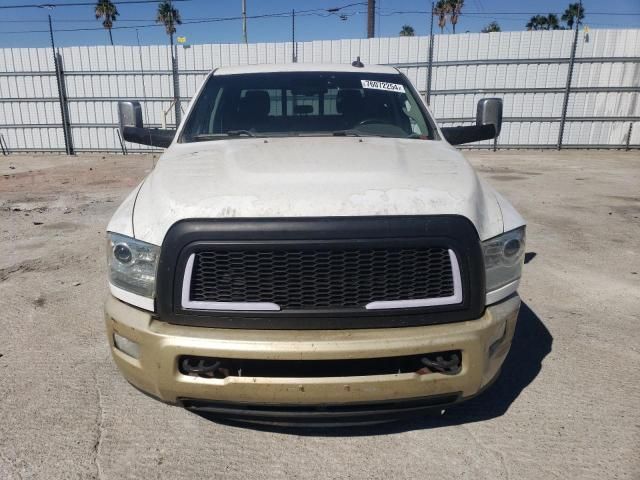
<point>311,177</point>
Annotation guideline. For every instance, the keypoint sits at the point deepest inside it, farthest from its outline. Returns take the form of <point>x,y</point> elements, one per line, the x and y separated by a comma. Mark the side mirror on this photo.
<point>489,112</point>
<point>132,128</point>
<point>130,115</point>
<point>488,124</point>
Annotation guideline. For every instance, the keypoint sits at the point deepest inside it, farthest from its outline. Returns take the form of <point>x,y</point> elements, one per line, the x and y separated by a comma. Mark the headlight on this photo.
<point>132,264</point>
<point>503,258</point>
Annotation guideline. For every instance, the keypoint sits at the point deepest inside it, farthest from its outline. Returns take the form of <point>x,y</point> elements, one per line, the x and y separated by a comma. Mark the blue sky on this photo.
<point>310,26</point>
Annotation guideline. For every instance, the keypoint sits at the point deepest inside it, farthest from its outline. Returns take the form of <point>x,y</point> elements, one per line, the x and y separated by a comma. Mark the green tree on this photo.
<point>573,13</point>
<point>455,8</point>
<point>441,10</point>
<point>407,31</point>
<point>492,27</point>
<point>538,22</point>
<point>552,22</point>
<point>169,16</point>
<point>106,10</point>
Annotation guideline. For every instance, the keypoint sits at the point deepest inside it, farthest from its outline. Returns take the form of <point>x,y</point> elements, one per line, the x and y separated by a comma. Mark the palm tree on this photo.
<point>573,12</point>
<point>552,22</point>
<point>455,7</point>
<point>538,22</point>
<point>407,31</point>
<point>169,16</point>
<point>492,27</point>
<point>107,10</point>
<point>441,10</point>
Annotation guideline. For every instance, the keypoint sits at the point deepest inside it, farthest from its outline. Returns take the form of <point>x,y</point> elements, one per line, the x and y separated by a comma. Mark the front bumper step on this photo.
<point>375,412</point>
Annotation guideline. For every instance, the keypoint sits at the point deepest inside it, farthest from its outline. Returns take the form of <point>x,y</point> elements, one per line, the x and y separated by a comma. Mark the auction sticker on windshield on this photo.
<point>390,87</point>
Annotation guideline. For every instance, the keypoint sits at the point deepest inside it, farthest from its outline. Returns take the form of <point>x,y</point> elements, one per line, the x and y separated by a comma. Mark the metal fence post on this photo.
<point>64,106</point>
<point>5,148</point>
<point>430,65</point>
<point>567,90</point>
<point>57,63</point>
<point>123,147</point>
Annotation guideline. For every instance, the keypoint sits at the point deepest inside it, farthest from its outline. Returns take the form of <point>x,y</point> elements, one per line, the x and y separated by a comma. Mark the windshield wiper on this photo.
<point>203,137</point>
<point>237,133</point>
<point>345,133</point>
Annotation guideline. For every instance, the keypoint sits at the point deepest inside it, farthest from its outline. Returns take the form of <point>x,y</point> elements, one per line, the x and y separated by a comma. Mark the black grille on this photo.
<point>299,279</point>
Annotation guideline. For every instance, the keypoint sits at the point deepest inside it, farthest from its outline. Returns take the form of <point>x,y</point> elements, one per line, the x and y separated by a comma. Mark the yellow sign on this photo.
<point>182,40</point>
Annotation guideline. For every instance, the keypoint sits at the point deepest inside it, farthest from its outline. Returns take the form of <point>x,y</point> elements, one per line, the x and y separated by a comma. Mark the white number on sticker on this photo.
<point>389,87</point>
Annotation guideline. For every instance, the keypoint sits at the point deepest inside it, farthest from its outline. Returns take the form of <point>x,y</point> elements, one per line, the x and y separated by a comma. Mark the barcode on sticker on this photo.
<point>390,87</point>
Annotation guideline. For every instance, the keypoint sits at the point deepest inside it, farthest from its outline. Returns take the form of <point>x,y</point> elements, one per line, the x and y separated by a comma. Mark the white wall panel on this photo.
<point>25,75</point>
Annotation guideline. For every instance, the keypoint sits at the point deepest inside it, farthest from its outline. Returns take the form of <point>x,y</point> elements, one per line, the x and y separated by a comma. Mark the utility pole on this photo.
<point>294,56</point>
<point>244,21</point>
<point>567,90</point>
<point>371,18</point>
<point>430,66</point>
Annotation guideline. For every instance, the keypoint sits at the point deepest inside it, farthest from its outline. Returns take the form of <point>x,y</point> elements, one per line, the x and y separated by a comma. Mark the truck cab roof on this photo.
<point>303,67</point>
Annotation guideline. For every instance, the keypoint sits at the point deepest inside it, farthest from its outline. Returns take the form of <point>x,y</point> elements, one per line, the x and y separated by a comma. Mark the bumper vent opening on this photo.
<point>448,362</point>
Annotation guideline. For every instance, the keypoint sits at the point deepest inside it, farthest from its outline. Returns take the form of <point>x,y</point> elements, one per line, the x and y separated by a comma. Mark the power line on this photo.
<point>557,13</point>
<point>328,11</point>
<point>426,12</point>
<point>315,12</point>
<point>69,20</point>
<point>81,4</point>
<point>524,18</point>
<point>319,12</point>
<point>309,12</point>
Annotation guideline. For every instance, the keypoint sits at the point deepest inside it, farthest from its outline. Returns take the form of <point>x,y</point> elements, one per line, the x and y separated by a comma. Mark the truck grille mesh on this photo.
<point>321,278</point>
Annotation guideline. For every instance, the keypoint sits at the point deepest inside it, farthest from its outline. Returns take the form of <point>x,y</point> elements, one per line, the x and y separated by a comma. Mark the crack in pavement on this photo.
<point>496,452</point>
<point>99,421</point>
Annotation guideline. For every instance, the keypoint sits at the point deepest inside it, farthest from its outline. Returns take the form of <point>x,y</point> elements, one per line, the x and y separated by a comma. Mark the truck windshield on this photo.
<point>307,103</point>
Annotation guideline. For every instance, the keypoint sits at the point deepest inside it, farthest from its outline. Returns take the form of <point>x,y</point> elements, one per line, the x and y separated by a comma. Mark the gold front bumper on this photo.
<point>484,343</point>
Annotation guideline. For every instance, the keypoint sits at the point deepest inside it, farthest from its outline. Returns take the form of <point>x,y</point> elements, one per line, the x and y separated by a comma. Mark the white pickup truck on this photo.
<point>311,249</point>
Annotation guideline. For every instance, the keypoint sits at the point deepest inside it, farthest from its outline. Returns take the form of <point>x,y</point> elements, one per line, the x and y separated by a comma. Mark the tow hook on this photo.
<point>450,366</point>
<point>200,368</point>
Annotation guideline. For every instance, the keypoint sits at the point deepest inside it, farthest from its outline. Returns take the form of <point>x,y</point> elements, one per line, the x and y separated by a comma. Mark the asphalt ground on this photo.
<point>566,405</point>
